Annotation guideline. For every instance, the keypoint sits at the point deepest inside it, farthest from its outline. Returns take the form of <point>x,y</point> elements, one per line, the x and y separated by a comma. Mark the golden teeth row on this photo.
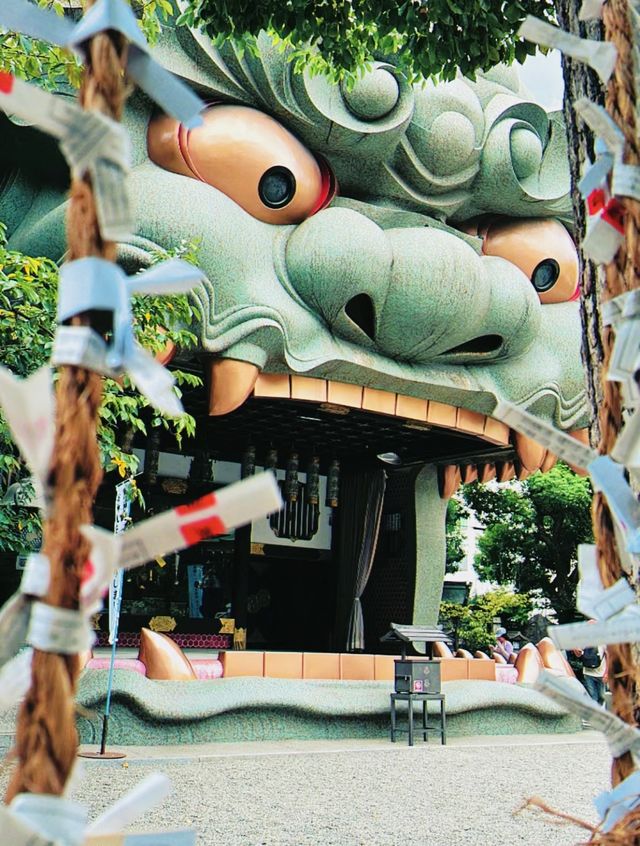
<point>412,409</point>
<point>232,382</point>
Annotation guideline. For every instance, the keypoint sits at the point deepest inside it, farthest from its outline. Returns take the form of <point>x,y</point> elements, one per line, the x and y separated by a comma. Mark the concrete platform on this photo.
<point>146,712</point>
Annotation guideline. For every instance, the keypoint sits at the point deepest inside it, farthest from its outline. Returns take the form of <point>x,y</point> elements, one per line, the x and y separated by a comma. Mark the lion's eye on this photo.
<point>277,187</point>
<point>248,156</point>
<point>542,249</point>
<point>545,275</point>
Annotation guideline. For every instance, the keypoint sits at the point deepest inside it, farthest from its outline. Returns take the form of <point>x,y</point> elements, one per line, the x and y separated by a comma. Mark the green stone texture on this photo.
<point>412,161</point>
<point>161,713</point>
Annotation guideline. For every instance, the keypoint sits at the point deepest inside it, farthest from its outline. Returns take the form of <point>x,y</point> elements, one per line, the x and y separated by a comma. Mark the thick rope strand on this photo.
<point>46,736</point>
<point>620,277</point>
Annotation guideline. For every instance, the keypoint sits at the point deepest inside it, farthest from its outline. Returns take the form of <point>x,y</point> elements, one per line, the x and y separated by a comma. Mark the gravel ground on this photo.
<point>459,795</point>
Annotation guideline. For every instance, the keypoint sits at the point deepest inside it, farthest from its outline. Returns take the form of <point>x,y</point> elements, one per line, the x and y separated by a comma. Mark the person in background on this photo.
<point>503,646</point>
<point>594,671</point>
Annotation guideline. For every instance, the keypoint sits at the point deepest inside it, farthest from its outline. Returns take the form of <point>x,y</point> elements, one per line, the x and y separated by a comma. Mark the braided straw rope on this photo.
<point>620,276</point>
<point>46,736</point>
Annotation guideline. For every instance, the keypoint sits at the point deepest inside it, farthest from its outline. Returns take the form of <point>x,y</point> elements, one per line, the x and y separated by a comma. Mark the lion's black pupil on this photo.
<point>545,275</point>
<point>277,187</point>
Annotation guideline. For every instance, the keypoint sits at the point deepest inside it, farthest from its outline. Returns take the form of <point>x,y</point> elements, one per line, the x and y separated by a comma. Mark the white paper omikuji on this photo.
<point>626,181</point>
<point>18,833</point>
<point>58,820</point>
<point>14,625</point>
<point>599,55</point>
<point>613,600</point>
<point>590,582</point>
<point>152,791</point>
<point>613,310</point>
<point>592,599</point>
<point>15,614</point>
<point>620,736</point>
<point>94,283</point>
<point>42,820</point>
<point>91,142</point>
<point>623,627</point>
<point>602,241</point>
<point>83,347</point>
<point>596,174</point>
<point>15,680</point>
<point>170,93</point>
<point>631,393</point>
<point>19,16</point>
<point>601,123</point>
<point>614,804</point>
<point>626,449</point>
<point>101,146</point>
<point>29,408</point>
<point>60,630</point>
<point>625,350</point>
<point>608,477</point>
<point>557,442</point>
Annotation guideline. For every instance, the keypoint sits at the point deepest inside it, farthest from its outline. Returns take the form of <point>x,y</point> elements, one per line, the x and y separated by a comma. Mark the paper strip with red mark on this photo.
<point>214,514</point>
<point>93,283</point>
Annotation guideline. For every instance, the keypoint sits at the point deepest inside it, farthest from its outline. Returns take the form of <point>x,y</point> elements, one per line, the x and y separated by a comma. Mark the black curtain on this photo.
<point>359,516</point>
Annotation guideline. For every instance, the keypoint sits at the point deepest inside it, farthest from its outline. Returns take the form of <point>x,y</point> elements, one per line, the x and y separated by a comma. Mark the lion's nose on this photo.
<point>416,294</point>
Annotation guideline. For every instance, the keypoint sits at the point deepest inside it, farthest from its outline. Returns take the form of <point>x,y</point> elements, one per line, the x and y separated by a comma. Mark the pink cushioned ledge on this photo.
<point>506,674</point>
<point>118,664</point>
<point>206,668</point>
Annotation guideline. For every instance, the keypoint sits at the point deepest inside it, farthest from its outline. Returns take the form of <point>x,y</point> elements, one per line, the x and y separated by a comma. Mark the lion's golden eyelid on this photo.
<point>248,156</point>
<point>542,249</point>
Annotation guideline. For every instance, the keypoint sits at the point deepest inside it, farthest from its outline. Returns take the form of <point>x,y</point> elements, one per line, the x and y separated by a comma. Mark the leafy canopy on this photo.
<point>53,67</point>
<point>532,532</point>
<point>473,625</point>
<point>456,512</point>
<point>425,38</point>
<point>28,297</point>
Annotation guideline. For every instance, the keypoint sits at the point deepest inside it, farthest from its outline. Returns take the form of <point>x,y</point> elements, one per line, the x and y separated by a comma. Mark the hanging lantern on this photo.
<point>201,469</point>
<point>313,481</point>
<point>333,484</point>
<point>271,462</point>
<point>248,466</point>
<point>291,478</point>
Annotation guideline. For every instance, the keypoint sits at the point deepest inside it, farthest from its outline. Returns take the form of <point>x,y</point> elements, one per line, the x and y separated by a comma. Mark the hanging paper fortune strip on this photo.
<point>170,93</point>
<point>214,514</point>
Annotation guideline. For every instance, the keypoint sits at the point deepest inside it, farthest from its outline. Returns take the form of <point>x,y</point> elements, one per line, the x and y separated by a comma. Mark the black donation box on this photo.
<point>418,676</point>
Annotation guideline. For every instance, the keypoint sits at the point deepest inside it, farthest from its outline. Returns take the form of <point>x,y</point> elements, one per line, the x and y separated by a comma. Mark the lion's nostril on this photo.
<point>360,310</point>
<point>483,344</point>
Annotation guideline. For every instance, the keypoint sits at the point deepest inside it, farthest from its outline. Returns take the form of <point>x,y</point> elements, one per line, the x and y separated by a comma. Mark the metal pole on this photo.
<point>122,517</point>
<point>114,645</point>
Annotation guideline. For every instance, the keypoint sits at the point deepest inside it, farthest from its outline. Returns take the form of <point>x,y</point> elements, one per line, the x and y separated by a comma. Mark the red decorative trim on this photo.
<point>131,640</point>
<point>329,187</point>
<point>6,82</point>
